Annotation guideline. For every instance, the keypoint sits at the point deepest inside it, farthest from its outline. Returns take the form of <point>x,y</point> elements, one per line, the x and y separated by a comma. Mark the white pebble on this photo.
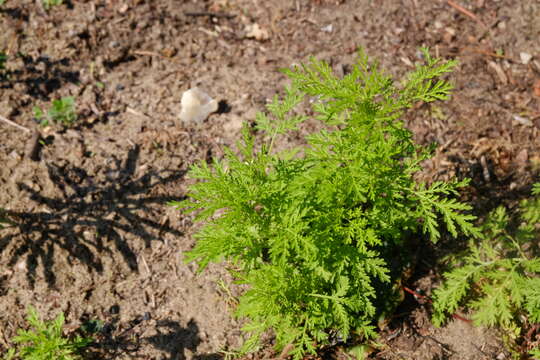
<point>525,57</point>
<point>197,106</point>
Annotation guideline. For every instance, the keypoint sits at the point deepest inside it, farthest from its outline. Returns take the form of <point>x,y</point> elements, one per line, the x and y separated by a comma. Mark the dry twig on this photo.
<point>488,53</point>
<point>20,127</point>
<point>466,12</point>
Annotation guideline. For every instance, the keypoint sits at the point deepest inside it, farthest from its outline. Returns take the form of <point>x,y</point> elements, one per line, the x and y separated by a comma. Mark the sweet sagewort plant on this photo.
<point>498,276</point>
<point>311,230</point>
<point>45,341</point>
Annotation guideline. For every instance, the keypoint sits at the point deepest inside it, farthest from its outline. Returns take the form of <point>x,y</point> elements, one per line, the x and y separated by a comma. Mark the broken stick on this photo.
<point>20,127</point>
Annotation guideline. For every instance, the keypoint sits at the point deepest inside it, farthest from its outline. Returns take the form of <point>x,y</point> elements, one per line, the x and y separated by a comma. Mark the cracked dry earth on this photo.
<point>92,235</point>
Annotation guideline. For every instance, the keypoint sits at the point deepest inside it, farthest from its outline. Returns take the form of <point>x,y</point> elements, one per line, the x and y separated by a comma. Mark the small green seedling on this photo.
<point>3,59</point>
<point>47,4</point>
<point>62,112</point>
<point>45,341</point>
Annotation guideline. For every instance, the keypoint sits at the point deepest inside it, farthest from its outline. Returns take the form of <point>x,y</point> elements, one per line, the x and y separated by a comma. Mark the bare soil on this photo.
<point>92,234</point>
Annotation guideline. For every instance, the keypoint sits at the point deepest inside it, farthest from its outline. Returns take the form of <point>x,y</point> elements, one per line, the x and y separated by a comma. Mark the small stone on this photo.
<point>123,8</point>
<point>328,28</point>
<point>21,265</point>
<point>255,31</point>
<point>14,154</point>
<point>522,120</point>
<point>536,88</point>
<point>522,157</point>
<point>450,31</point>
<point>525,57</point>
<point>197,106</point>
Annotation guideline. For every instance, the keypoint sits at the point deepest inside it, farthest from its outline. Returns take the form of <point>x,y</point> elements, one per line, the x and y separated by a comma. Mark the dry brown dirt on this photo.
<point>92,235</point>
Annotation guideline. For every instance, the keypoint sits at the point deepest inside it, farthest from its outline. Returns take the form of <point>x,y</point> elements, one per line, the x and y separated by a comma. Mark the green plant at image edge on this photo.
<point>498,276</point>
<point>45,341</point>
<point>3,59</point>
<point>314,231</point>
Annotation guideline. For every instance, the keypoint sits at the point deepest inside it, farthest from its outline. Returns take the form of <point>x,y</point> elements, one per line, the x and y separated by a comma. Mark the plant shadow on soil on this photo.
<point>174,339</point>
<point>88,220</point>
<point>41,76</point>
<point>170,337</point>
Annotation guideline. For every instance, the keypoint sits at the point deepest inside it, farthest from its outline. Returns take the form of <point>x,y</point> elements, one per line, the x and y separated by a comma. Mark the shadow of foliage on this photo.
<point>170,338</point>
<point>88,220</point>
<point>41,76</point>
<point>174,339</point>
<point>15,13</point>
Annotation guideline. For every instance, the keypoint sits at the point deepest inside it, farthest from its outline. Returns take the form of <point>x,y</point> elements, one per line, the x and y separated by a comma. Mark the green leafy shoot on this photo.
<point>61,112</point>
<point>4,72</point>
<point>45,341</point>
<point>498,276</point>
<point>3,59</point>
<point>312,230</point>
<point>47,4</point>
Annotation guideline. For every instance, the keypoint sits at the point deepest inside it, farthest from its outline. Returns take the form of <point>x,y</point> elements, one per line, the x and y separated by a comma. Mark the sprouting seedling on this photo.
<point>62,111</point>
<point>47,4</point>
<point>3,57</point>
<point>3,60</point>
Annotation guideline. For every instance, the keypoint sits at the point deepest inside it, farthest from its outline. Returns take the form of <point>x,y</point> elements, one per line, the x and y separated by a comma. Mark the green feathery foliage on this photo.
<point>311,229</point>
<point>46,341</point>
<point>498,275</point>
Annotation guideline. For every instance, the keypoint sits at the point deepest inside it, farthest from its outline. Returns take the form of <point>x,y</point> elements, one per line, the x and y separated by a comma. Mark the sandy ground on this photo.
<point>92,234</point>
